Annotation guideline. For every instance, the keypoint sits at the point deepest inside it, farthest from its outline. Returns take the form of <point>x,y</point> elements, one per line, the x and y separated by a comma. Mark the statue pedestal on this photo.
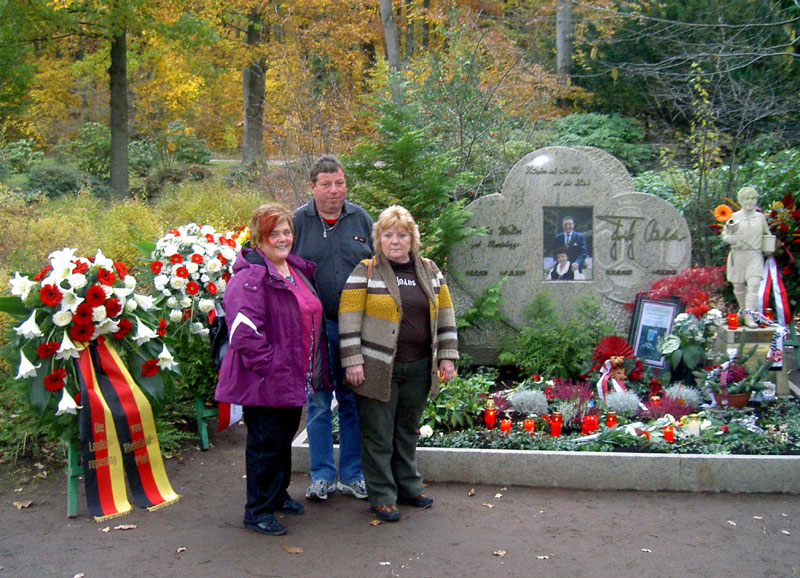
<point>761,338</point>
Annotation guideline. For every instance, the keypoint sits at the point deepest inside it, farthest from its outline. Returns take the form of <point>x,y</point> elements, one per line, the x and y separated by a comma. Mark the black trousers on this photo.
<point>268,457</point>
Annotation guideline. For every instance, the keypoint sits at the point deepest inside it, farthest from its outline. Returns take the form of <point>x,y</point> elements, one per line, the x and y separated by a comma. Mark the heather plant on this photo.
<point>623,402</point>
<point>690,396</point>
<point>459,401</point>
<point>529,402</point>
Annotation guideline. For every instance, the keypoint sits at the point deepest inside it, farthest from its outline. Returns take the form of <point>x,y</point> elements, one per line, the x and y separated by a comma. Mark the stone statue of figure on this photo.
<point>744,232</point>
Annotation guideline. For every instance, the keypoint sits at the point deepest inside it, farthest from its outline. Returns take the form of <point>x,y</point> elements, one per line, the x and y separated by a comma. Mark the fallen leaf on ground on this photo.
<point>471,492</point>
<point>18,489</point>
<point>503,489</point>
<point>758,517</point>
<point>385,563</point>
<point>41,475</point>
<point>125,527</point>
<point>293,549</point>
<point>731,523</point>
<point>785,515</point>
<point>106,530</point>
<point>543,557</point>
<point>25,504</point>
<point>489,505</point>
<point>375,523</point>
<point>500,553</point>
<point>645,549</point>
<point>498,496</point>
<point>785,532</point>
<point>181,549</point>
<point>81,575</point>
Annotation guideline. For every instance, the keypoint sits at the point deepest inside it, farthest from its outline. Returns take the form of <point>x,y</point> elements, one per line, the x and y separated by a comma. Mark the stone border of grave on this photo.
<point>599,470</point>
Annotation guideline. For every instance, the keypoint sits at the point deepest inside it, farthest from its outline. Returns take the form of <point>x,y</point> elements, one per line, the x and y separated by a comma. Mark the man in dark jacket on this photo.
<point>575,242</point>
<point>335,235</point>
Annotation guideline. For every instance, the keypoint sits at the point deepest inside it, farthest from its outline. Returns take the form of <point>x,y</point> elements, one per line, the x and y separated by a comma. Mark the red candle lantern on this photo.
<point>669,433</point>
<point>733,321</point>
<point>768,314</point>
<point>555,424</point>
<point>529,425</point>
<point>489,417</point>
<point>505,426</point>
<point>655,400</point>
<point>611,419</point>
<point>589,424</point>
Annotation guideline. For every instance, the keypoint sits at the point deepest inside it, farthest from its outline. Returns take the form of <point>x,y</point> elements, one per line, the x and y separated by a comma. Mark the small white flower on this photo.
<point>681,317</point>
<point>207,230</point>
<point>122,292</point>
<point>227,252</point>
<point>77,280</point>
<point>29,329</point>
<point>205,305</point>
<point>169,250</point>
<point>108,290</point>
<point>67,350</point>
<point>99,313</point>
<point>214,265</point>
<point>62,318</point>
<point>160,282</point>
<point>107,326</point>
<point>165,359</point>
<point>175,315</point>
<point>144,301</point>
<point>143,333</point>
<point>26,368</point>
<point>21,285</point>
<point>67,404</point>
<point>197,329</point>
<point>185,302</point>
<point>425,431</point>
<point>172,302</point>
<point>177,283</point>
<point>166,293</point>
<point>205,278</point>
<point>191,266</point>
<point>732,352</point>
<point>102,261</point>
<point>131,305</point>
<point>130,281</point>
<point>70,301</point>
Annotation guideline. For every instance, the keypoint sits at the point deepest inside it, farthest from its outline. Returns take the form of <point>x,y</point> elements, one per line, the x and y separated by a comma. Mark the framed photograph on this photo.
<point>651,323</point>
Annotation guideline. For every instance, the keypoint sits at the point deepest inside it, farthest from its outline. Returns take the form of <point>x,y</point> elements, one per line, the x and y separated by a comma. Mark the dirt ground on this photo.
<point>499,531</point>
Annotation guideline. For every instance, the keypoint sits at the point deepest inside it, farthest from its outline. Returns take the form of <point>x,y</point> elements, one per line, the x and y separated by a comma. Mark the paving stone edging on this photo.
<point>599,470</point>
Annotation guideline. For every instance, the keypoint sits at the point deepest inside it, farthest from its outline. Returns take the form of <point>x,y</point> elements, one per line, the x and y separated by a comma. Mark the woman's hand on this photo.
<point>447,370</point>
<point>354,375</point>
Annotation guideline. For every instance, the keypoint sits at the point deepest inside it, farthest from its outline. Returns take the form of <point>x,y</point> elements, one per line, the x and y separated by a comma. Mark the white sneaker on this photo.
<point>319,490</point>
<point>357,489</point>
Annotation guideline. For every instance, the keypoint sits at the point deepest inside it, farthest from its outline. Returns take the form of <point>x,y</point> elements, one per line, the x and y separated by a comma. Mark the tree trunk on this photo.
<point>564,43</point>
<point>426,31</point>
<point>410,25</point>
<point>253,91</point>
<point>118,85</point>
<point>390,35</point>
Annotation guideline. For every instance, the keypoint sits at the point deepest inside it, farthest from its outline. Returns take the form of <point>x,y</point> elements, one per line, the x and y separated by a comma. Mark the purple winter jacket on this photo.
<point>264,364</point>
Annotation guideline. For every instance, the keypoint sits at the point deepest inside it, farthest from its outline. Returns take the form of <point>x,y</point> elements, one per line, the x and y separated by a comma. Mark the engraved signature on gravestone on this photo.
<point>625,230</point>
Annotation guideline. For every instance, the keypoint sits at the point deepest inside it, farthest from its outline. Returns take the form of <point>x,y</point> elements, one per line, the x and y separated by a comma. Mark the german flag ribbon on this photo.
<point>131,437</point>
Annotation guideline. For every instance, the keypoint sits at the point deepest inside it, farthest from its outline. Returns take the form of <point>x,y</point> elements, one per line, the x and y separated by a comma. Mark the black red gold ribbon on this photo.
<point>118,438</point>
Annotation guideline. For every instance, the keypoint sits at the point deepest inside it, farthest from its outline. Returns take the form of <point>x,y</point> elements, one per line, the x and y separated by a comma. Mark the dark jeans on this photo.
<point>389,434</point>
<point>268,457</point>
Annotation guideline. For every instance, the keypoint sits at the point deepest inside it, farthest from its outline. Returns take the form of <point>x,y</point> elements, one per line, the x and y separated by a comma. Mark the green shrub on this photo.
<point>141,157</point>
<point>459,401</point>
<point>56,180</point>
<point>92,150</point>
<point>19,155</point>
<point>555,345</point>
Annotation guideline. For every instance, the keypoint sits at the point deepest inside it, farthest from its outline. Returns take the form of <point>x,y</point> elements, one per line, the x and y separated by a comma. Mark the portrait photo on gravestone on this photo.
<point>567,242</point>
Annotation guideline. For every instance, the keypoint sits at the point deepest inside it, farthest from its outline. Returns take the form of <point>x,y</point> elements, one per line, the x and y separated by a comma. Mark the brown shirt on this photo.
<point>414,340</point>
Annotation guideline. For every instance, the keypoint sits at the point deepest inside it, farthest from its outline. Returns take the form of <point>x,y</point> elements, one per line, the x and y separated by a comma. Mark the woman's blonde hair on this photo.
<point>264,219</point>
<point>392,216</point>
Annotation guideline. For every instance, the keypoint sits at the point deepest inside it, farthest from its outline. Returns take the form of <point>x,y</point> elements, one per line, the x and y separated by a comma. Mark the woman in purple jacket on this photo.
<point>275,358</point>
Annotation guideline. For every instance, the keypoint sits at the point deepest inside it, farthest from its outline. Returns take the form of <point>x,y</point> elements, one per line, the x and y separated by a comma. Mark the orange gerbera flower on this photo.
<point>722,213</point>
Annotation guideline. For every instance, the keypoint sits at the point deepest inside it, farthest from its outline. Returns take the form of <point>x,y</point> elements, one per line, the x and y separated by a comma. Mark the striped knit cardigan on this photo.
<point>369,322</point>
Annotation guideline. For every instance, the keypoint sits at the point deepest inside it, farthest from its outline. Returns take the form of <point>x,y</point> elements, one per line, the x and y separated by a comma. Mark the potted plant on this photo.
<point>686,345</point>
<point>732,384</point>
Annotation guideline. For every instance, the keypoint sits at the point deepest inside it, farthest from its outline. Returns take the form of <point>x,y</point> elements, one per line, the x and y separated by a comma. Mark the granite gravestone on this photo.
<point>629,239</point>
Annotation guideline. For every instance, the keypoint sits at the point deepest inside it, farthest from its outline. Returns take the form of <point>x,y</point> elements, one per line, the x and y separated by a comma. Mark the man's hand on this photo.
<point>354,375</point>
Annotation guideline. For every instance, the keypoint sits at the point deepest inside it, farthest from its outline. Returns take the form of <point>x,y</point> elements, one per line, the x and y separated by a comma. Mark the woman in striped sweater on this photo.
<point>398,339</point>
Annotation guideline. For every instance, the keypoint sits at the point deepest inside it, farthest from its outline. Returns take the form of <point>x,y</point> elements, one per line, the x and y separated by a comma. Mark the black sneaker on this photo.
<point>387,513</point>
<point>421,501</point>
<point>290,506</point>
<point>268,525</point>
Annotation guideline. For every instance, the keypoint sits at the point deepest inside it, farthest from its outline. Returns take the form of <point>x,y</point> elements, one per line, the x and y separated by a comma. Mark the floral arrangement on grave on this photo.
<point>613,356</point>
<point>697,288</point>
<point>732,377</point>
<point>192,265</point>
<point>73,303</point>
<point>687,343</point>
